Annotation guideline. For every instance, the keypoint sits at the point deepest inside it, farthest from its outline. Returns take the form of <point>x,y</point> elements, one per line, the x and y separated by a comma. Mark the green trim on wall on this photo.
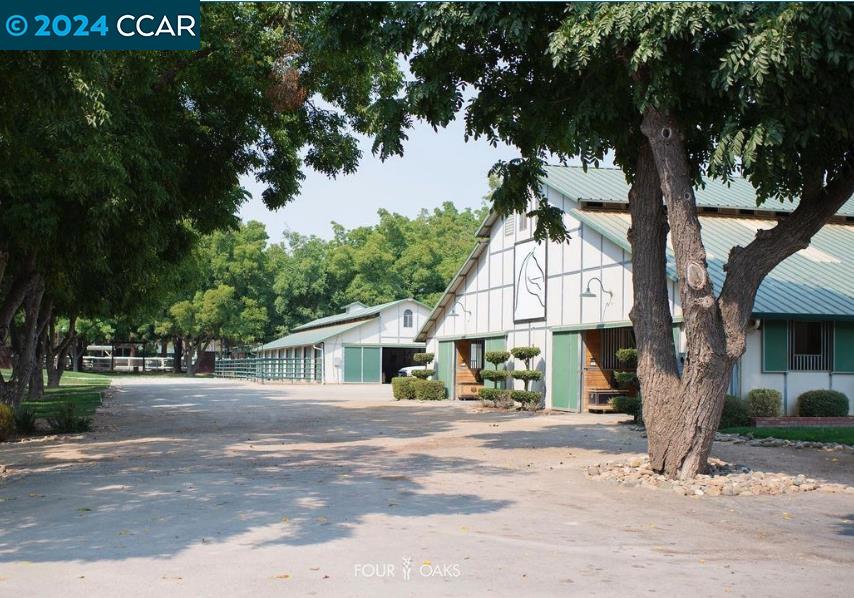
<point>843,347</point>
<point>601,325</point>
<point>388,345</point>
<point>483,335</point>
<point>775,345</point>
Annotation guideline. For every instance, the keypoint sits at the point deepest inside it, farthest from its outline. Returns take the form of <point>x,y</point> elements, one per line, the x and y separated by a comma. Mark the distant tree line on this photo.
<point>237,288</point>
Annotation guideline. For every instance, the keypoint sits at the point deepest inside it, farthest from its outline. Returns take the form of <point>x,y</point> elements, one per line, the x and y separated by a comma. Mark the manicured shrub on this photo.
<point>630,406</point>
<point>735,413</point>
<point>66,421</point>
<point>25,420</point>
<point>527,375</point>
<point>423,374</point>
<point>625,379</point>
<point>764,402</point>
<point>7,422</point>
<point>495,397</point>
<point>422,358</point>
<point>627,357</point>
<point>403,387</point>
<point>525,353</point>
<point>822,403</point>
<point>430,390</point>
<point>530,399</point>
<point>494,375</point>
<point>496,358</point>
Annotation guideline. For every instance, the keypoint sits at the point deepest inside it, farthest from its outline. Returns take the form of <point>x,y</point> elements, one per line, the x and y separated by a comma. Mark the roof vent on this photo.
<point>355,306</point>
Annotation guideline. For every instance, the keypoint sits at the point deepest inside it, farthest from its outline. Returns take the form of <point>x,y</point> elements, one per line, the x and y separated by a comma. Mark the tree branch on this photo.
<point>748,266</point>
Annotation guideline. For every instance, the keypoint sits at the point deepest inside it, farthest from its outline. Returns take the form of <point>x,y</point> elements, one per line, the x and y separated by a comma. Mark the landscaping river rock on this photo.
<point>722,479</point>
<point>798,444</point>
<point>770,442</point>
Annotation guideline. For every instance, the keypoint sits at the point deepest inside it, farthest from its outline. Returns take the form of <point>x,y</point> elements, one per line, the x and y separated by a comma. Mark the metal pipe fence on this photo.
<point>287,369</point>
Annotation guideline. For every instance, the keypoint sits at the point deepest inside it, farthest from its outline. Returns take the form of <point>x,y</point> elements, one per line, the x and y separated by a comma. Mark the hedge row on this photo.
<point>417,389</point>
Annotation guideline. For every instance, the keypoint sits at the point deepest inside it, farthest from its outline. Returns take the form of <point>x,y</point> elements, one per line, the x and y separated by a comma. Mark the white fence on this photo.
<point>127,364</point>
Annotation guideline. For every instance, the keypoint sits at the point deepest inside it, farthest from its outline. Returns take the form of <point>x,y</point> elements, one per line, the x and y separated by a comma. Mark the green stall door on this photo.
<point>371,364</point>
<point>566,370</point>
<point>362,364</point>
<point>445,366</point>
<point>352,364</point>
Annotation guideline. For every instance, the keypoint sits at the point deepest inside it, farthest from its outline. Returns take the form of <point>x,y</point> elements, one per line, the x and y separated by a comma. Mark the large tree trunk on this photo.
<point>25,341</point>
<point>22,283</point>
<point>177,354</point>
<point>682,412</point>
<point>58,350</point>
<point>190,351</point>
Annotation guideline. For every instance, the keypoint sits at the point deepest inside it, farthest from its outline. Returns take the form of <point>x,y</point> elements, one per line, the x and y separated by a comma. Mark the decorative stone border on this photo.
<point>769,442</point>
<point>795,422</point>
<point>723,479</point>
<point>776,442</point>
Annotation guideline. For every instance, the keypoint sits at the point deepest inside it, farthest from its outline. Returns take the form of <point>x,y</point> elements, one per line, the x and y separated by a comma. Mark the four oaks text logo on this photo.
<point>407,569</point>
<point>99,25</point>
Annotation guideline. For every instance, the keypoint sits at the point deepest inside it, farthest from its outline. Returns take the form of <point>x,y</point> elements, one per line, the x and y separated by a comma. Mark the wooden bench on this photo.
<point>599,399</point>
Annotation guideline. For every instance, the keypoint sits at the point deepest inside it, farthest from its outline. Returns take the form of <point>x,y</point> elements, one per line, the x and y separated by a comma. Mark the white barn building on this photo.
<point>573,300</point>
<point>364,344</point>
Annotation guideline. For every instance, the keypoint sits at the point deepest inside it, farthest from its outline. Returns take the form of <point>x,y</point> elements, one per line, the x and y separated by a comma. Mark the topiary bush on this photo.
<point>630,406</point>
<point>822,403</point>
<point>764,402</point>
<point>494,375</point>
<point>495,397</point>
<point>423,374</point>
<point>66,421</point>
<point>525,354</point>
<point>735,413</point>
<point>530,399</point>
<point>7,422</point>
<point>627,357</point>
<point>430,390</point>
<point>625,379</point>
<point>25,420</point>
<point>422,358</point>
<point>496,358</point>
<point>527,375</point>
<point>403,387</point>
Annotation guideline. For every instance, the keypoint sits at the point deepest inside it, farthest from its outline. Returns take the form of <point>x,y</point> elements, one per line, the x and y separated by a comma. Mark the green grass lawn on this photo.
<point>81,388</point>
<point>840,435</point>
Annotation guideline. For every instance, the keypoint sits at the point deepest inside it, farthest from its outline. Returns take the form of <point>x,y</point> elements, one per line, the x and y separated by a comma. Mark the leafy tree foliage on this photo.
<point>112,162</point>
<point>678,92</point>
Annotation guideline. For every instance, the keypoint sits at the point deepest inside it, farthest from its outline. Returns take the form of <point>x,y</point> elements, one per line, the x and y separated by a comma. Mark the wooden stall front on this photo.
<point>600,363</point>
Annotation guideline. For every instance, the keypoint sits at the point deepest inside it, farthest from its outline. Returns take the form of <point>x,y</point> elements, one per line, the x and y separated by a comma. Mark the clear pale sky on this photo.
<point>436,167</point>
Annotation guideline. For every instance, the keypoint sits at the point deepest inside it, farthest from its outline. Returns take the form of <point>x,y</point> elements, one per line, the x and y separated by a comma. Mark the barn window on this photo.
<point>810,346</point>
<point>476,356</point>
<point>508,226</point>
<point>407,318</point>
<point>523,222</point>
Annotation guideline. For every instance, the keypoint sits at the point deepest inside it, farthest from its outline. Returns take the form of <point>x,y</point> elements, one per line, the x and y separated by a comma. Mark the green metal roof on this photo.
<point>310,337</point>
<point>356,314</point>
<point>817,281</point>
<point>609,185</point>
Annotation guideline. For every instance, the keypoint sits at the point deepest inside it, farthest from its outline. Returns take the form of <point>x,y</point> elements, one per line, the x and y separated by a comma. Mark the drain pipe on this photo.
<point>322,349</point>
